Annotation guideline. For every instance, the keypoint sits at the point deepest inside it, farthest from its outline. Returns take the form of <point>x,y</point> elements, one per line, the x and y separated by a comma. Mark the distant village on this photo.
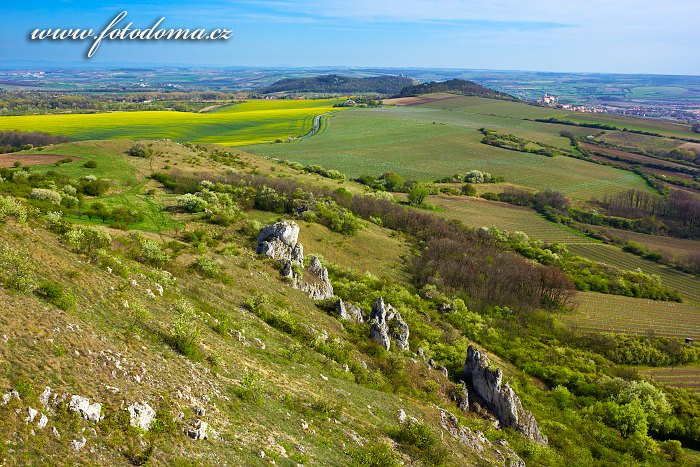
<point>648,111</point>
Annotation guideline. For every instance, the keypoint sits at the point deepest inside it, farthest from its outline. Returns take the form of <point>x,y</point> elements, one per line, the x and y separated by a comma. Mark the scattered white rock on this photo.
<point>200,411</point>
<point>324,378</point>
<point>259,342</point>
<point>55,432</point>
<point>141,415</point>
<point>79,444</point>
<point>43,420</point>
<point>346,368</point>
<point>31,414</point>
<point>109,270</point>
<point>13,394</point>
<point>44,398</point>
<point>198,430</point>
<point>125,304</point>
<point>150,294</point>
<point>88,411</point>
<point>159,288</point>
<point>401,415</point>
<point>304,425</point>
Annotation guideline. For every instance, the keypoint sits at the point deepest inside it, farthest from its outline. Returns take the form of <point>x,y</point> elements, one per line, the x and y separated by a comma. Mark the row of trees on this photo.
<point>13,140</point>
<point>680,210</point>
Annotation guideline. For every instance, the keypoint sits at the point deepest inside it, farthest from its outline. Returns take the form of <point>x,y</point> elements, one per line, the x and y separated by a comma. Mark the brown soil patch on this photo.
<point>7,160</point>
<point>418,100</point>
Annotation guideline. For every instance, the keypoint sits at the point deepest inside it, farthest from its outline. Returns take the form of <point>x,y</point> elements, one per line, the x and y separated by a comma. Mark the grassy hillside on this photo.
<point>427,143</point>
<point>277,376</point>
<point>250,122</point>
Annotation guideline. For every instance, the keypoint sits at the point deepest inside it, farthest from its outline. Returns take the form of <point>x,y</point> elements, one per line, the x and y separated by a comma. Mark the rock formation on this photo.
<point>499,398</point>
<point>349,312</point>
<point>141,415</point>
<point>279,241</point>
<point>386,324</point>
<point>87,410</point>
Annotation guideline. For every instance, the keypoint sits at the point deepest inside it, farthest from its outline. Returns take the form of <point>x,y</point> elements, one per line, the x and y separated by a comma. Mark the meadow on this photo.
<point>249,122</point>
<point>427,142</point>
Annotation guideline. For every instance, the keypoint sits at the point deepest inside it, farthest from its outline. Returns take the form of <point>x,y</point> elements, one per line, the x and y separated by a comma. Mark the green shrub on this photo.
<point>419,441</point>
<point>53,293</point>
<point>251,388</point>
<point>468,189</point>
<point>10,207</point>
<point>92,186</point>
<point>417,195</point>
<point>90,165</point>
<point>375,454</point>
<point>139,150</point>
<point>87,240</point>
<point>206,266</point>
<point>185,332</point>
<point>16,269</point>
<point>138,315</point>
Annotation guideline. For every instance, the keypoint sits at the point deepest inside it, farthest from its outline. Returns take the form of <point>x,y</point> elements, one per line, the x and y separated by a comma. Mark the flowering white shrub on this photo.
<point>192,203</point>
<point>89,178</point>
<point>477,176</point>
<point>380,195</point>
<point>87,240</point>
<point>46,194</point>
<point>69,190</point>
<point>163,277</point>
<point>10,207</point>
<point>16,269</point>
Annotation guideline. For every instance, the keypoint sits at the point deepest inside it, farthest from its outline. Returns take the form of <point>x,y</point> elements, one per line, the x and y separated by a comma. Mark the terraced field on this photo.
<point>669,245</point>
<point>615,313</point>
<point>250,122</point>
<point>426,143</point>
<point>476,212</point>
<point>687,285</point>
<point>686,377</point>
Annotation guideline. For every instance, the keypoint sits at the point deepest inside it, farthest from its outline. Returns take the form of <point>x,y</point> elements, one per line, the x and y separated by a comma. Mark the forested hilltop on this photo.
<point>459,86</point>
<point>340,84</point>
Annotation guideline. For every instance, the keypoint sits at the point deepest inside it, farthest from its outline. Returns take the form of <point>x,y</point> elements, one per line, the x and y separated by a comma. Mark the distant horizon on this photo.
<point>332,69</point>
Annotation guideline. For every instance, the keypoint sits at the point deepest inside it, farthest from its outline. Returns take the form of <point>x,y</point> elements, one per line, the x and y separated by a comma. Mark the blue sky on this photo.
<point>623,36</point>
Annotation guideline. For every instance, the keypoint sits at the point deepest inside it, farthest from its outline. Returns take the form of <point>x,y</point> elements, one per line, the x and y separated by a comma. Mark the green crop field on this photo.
<point>259,121</point>
<point>615,313</point>
<point>426,143</point>
<point>686,377</point>
<point>688,286</point>
<point>476,212</point>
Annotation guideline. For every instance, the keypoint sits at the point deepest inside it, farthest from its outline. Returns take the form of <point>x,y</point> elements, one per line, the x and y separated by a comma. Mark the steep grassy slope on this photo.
<point>278,391</point>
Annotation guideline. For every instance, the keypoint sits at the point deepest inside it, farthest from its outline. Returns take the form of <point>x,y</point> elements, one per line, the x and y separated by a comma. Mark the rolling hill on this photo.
<point>337,84</point>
